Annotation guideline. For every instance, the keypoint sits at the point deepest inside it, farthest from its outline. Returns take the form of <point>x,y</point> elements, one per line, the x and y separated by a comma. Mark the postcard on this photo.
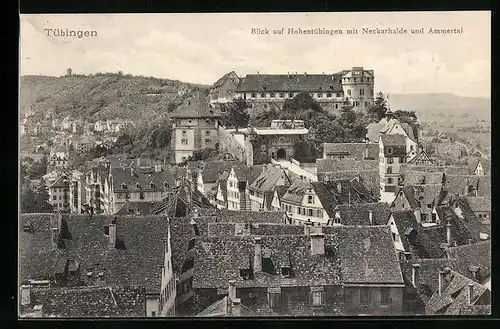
<point>255,165</point>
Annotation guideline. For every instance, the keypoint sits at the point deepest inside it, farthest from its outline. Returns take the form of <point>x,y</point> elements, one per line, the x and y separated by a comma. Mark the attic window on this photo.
<point>137,185</point>
<point>124,186</point>
<point>152,185</point>
<point>245,274</point>
<point>286,271</point>
<point>389,150</point>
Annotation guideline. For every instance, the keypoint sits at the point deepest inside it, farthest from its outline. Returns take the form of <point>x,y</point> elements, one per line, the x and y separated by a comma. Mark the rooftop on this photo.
<point>292,82</point>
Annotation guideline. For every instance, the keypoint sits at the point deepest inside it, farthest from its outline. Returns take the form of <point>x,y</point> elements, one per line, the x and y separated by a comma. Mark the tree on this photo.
<point>236,114</point>
<point>69,72</point>
<point>28,201</point>
<point>377,111</point>
<point>410,118</point>
<point>301,102</point>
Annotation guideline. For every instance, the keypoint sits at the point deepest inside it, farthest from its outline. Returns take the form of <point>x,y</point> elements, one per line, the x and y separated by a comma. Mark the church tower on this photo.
<point>357,85</point>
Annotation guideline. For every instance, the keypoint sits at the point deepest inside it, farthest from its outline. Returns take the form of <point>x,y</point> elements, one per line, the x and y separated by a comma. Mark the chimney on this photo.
<point>448,233</point>
<point>257,260</point>
<point>471,286</point>
<point>236,307</point>
<point>317,244</point>
<point>232,290</point>
<point>440,282</point>
<point>112,235</point>
<point>415,272</point>
<point>195,213</point>
<point>474,269</point>
<point>370,216</point>
<point>25,294</point>
<point>55,236</point>
<point>38,311</point>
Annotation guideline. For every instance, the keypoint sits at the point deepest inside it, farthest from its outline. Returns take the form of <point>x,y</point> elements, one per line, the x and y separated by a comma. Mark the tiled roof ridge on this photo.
<point>463,246</point>
<point>427,260</point>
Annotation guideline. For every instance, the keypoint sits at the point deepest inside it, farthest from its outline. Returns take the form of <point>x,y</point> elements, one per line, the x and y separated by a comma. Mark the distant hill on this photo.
<point>103,96</point>
<point>435,106</point>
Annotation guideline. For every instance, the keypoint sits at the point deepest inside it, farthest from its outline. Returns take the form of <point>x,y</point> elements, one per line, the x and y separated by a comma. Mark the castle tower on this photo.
<point>357,85</point>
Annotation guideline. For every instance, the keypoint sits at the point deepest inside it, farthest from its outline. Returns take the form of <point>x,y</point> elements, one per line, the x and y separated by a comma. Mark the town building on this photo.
<point>58,188</point>
<point>479,166</point>
<point>356,151</point>
<point>39,301</point>
<point>319,273</point>
<point>77,192</point>
<point>110,252</point>
<point>330,90</point>
<point>261,191</point>
<point>195,128</point>
<point>392,154</point>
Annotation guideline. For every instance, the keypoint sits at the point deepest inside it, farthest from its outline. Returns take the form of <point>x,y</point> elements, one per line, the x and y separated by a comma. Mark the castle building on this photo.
<point>195,127</point>
<point>331,90</point>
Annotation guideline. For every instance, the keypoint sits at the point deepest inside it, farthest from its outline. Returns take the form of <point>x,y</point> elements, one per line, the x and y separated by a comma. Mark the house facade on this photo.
<point>195,127</point>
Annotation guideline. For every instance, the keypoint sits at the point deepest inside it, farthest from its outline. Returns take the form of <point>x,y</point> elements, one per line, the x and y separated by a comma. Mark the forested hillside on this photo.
<point>103,96</point>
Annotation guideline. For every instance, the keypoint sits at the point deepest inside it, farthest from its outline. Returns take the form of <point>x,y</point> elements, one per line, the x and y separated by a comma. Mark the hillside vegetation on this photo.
<point>103,96</point>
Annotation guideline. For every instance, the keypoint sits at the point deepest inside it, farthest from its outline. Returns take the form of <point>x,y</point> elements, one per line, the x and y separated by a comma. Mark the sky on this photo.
<point>200,48</point>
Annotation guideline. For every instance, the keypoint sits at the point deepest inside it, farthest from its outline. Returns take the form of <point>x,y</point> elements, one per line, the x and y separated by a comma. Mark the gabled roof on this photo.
<point>281,190</point>
<point>423,195</point>
<point>394,145</point>
<point>350,192</point>
<point>142,177</point>
<point>198,107</point>
<point>296,191</point>
<point>473,162</point>
<point>228,229</point>
<point>138,208</point>
<point>455,296</point>
<point>370,178</point>
<point>367,255</point>
<point>479,204</point>
<point>352,255</point>
<point>94,301</point>
<point>182,231</point>
<point>223,308</point>
<point>358,214</point>
<point>292,82</point>
<point>422,177</point>
<point>241,171</point>
<point>334,165</point>
<point>421,157</point>
<point>472,255</point>
<point>213,169</point>
<point>461,184</point>
<point>358,151</point>
<point>85,242</point>
<point>268,179</point>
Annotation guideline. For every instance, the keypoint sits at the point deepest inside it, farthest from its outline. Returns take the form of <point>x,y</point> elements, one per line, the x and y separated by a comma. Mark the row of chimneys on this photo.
<point>317,247</point>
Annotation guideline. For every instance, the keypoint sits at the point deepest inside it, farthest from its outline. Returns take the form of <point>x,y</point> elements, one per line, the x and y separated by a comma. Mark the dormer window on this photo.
<point>245,273</point>
<point>286,271</point>
<point>124,186</point>
<point>389,150</point>
<point>152,184</point>
<point>137,185</point>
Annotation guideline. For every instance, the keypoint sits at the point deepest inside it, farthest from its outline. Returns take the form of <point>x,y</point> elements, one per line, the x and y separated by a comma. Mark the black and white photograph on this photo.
<point>251,165</point>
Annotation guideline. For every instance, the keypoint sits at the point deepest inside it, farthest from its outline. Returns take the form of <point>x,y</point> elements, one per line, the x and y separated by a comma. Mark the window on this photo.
<point>310,199</point>
<point>207,133</point>
<point>328,95</point>
<point>389,170</point>
<point>361,92</point>
<point>271,95</point>
<point>290,95</point>
<point>309,212</point>
<point>411,147</point>
<point>319,95</point>
<point>263,95</point>
<point>384,296</point>
<point>274,297</point>
<point>336,106</point>
<point>183,132</point>
<point>153,313</point>
<point>254,95</point>
<point>389,180</point>
<point>319,213</point>
<point>393,236</point>
<point>354,79</point>
<point>285,271</point>
<point>152,185</point>
<point>141,195</point>
<point>317,296</point>
<point>208,140</point>
<point>364,297</point>
<point>245,274</point>
<point>390,160</point>
<point>429,205</point>
<point>54,197</point>
<point>184,141</point>
<point>349,92</point>
<point>282,95</point>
